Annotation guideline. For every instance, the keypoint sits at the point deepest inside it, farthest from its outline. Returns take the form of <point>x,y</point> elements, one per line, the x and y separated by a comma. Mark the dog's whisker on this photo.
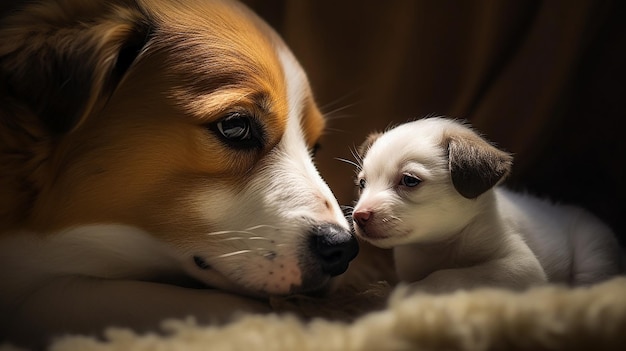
<point>245,238</point>
<point>340,102</point>
<point>220,232</point>
<point>329,114</point>
<point>335,130</point>
<point>240,252</point>
<point>262,226</point>
<point>225,232</point>
<point>335,117</point>
<point>232,238</point>
<point>270,255</point>
<point>230,254</point>
<point>248,230</point>
<point>246,251</point>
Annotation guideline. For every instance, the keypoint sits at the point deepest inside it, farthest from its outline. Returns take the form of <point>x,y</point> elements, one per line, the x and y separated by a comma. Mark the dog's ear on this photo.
<point>475,165</point>
<point>365,146</point>
<point>62,60</point>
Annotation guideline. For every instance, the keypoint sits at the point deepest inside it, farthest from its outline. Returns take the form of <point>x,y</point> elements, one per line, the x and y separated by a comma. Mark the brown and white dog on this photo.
<point>147,140</point>
<point>429,189</point>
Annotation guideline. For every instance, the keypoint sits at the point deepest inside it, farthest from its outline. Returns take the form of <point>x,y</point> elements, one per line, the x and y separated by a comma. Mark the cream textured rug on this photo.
<point>542,318</point>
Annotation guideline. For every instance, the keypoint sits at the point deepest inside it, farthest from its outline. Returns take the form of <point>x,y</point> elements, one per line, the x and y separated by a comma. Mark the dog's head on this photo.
<point>190,120</point>
<point>419,182</point>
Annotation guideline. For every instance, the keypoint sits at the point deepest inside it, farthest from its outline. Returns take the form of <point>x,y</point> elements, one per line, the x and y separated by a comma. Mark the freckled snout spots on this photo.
<point>279,274</point>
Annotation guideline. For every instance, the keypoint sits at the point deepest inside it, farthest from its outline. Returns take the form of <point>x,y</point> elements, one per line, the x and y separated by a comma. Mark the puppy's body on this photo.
<point>145,142</point>
<point>429,190</point>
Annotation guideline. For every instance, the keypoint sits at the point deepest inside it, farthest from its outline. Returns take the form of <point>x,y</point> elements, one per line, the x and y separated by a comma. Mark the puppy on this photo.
<point>146,142</point>
<point>429,189</point>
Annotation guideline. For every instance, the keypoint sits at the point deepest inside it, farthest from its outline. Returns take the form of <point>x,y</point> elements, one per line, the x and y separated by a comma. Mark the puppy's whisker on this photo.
<point>357,157</point>
<point>347,161</point>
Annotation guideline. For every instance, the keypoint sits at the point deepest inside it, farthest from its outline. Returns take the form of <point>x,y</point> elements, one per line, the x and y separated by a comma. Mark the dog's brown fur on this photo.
<point>114,165</point>
<point>52,104</point>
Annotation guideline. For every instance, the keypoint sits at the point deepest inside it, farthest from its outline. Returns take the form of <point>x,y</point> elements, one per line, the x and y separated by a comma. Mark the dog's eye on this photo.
<point>238,130</point>
<point>235,127</point>
<point>410,181</point>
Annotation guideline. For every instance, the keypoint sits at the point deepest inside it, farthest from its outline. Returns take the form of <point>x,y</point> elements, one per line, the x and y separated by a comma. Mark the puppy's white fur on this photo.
<point>429,189</point>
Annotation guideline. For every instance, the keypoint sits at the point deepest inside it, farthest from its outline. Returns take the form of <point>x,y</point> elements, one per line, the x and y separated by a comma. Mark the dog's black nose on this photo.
<point>334,246</point>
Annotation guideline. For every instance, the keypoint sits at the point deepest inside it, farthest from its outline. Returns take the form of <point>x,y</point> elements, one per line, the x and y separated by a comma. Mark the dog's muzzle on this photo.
<point>334,247</point>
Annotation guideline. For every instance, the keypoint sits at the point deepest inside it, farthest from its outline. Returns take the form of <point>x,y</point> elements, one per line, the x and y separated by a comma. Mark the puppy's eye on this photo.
<point>410,181</point>
<point>238,130</point>
<point>362,183</point>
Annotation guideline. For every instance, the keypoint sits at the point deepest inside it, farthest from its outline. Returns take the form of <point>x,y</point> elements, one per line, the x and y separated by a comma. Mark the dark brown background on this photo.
<point>544,80</point>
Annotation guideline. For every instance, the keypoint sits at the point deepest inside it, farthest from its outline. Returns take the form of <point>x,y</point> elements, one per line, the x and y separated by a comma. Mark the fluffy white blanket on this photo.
<point>542,318</point>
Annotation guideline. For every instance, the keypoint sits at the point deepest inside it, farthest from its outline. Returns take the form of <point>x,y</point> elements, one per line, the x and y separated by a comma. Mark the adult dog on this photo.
<point>147,141</point>
<point>429,189</point>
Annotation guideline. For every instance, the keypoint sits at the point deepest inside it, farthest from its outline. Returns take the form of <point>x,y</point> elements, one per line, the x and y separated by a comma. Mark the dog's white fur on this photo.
<point>452,226</point>
<point>123,172</point>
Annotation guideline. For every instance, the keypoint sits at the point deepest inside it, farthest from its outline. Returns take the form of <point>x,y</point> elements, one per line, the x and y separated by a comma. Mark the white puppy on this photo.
<point>428,189</point>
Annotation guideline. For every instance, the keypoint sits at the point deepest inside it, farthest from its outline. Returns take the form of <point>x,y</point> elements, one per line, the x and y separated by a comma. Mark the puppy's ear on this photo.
<point>365,146</point>
<point>475,165</point>
<point>62,60</point>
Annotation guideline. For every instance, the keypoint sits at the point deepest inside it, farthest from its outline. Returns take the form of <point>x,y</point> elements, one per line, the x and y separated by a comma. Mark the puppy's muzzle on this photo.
<point>334,247</point>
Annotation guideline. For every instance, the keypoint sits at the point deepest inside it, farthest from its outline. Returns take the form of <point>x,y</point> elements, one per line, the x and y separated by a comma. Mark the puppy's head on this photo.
<point>420,181</point>
<point>190,120</point>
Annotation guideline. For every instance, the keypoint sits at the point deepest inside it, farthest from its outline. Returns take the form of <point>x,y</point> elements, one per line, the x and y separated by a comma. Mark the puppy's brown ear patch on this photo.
<point>475,165</point>
<point>62,60</point>
<point>365,146</point>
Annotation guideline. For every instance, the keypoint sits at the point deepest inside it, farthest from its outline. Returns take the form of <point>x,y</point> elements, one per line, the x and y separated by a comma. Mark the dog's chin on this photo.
<point>314,282</point>
<point>322,286</point>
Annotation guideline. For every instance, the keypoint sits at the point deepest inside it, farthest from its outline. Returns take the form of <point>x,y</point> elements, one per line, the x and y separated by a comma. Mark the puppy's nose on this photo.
<point>361,217</point>
<point>334,246</point>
